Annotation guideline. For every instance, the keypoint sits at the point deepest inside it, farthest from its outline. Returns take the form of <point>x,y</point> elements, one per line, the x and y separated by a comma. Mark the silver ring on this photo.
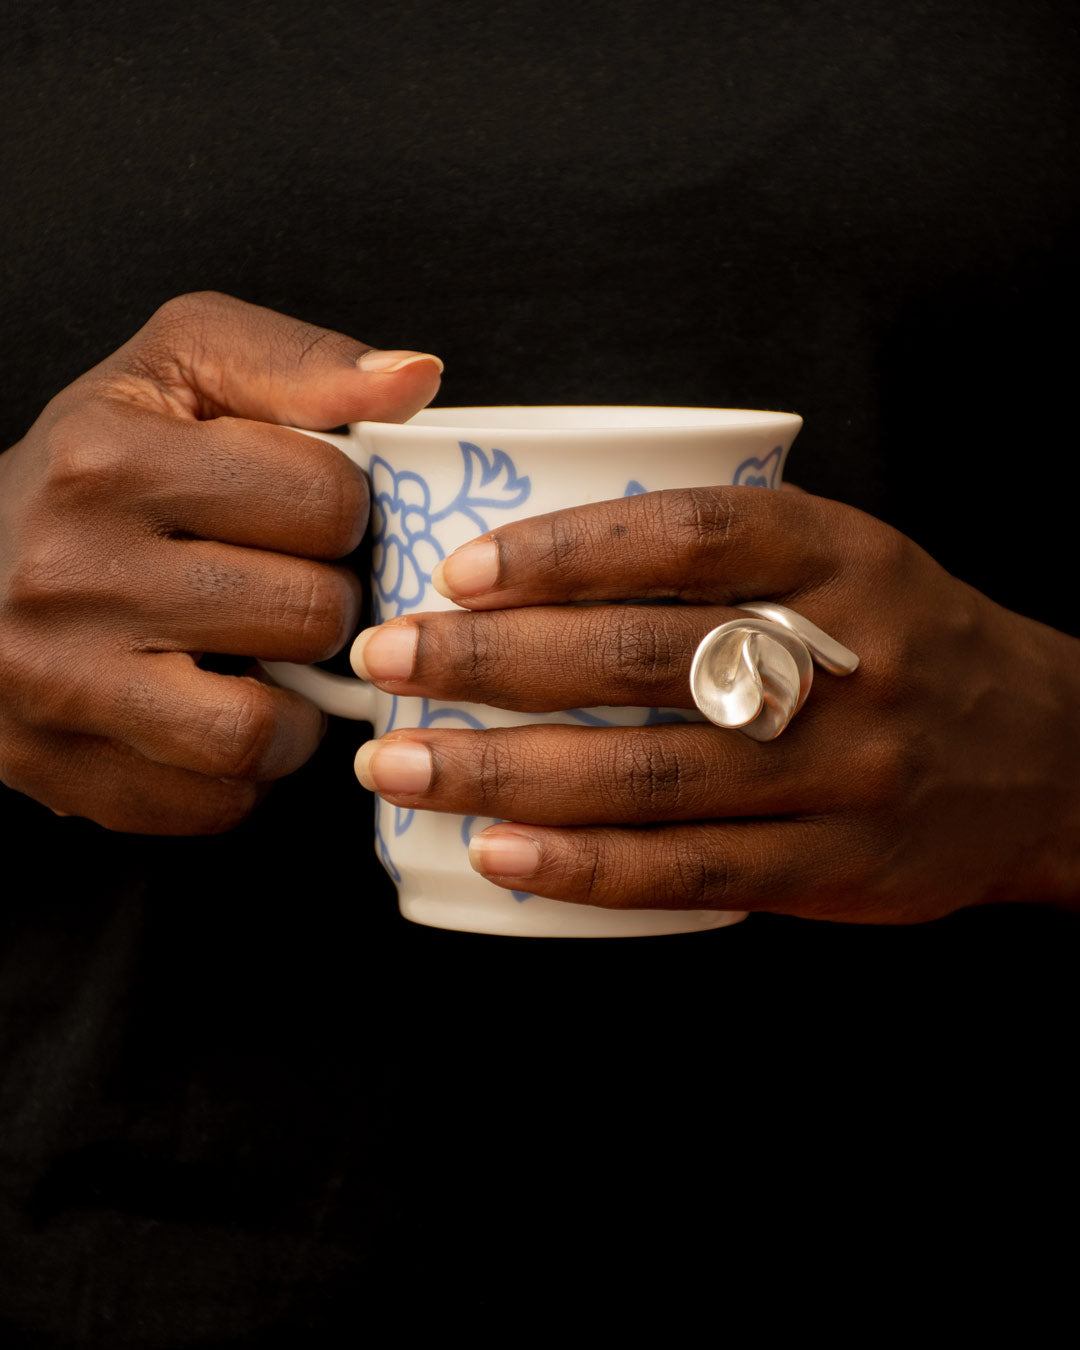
<point>753,675</point>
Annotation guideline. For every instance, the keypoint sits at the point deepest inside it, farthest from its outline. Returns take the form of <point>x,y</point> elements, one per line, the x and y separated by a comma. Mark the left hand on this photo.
<point>944,773</point>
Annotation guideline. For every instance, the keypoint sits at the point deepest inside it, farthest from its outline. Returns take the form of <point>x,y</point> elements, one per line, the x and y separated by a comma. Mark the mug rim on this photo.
<point>585,418</point>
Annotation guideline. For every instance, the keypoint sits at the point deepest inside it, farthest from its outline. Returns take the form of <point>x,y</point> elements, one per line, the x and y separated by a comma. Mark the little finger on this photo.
<point>118,789</point>
<point>794,866</point>
<point>168,710</point>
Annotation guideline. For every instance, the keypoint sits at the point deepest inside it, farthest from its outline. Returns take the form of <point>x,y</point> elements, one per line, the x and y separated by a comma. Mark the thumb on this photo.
<point>208,355</point>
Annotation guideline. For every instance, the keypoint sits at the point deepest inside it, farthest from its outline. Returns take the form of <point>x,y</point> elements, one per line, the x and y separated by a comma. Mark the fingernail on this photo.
<point>387,652</point>
<point>504,855</point>
<point>394,766</point>
<point>386,363</point>
<point>470,570</point>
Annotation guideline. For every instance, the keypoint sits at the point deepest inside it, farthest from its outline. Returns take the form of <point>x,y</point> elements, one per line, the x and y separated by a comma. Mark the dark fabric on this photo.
<point>242,1102</point>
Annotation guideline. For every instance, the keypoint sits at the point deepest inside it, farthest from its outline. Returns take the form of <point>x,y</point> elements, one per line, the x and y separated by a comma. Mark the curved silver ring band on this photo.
<point>753,674</point>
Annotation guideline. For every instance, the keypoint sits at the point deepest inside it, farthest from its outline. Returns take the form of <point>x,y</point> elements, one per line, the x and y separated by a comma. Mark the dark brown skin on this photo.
<point>944,773</point>
<point>151,515</point>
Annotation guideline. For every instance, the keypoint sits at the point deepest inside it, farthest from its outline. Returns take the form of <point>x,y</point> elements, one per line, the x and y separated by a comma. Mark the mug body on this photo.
<point>451,474</point>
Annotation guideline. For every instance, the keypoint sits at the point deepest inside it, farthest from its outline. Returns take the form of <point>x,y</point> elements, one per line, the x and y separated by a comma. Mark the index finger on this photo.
<point>712,545</point>
<point>206,355</point>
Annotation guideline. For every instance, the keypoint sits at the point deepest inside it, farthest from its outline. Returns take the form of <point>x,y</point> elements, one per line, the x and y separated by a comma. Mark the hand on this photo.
<point>944,773</point>
<point>151,515</point>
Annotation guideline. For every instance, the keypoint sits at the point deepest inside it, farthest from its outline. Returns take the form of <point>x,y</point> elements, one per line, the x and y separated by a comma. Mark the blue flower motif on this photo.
<point>755,472</point>
<point>406,544</point>
<point>405,550</point>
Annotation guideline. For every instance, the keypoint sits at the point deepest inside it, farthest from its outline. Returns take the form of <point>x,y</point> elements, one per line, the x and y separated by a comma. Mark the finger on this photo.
<point>574,775</point>
<point>250,484</point>
<point>242,482</point>
<point>120,790</point>
<point>169,711</point>
<point>542,658</point>
<point>714,545</point>
<point>198,596</point>
<point>791,867</point>
<point>206,354</point>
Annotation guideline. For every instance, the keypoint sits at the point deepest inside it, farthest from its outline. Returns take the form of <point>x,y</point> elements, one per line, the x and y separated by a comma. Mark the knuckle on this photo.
<point>646,776</point>
<point>700,521</point>
<point>889,767</point>
<point>85,459</point>
<point>44,573</point>
<point>585,875</point>
<point>869,548</point>
<point>565,546</point>
<point>335,503</point>
<point>491,779</point>
<point>238,733</point>
<point>857,861</point>
<point>642,653</point>
<point>315,343</point>
<point>601,869</point>
<point>171,330</point>
<point>886,550</point>
<point>316,605</point>
<point>703,877</point>
<point>482,654</point>
<point>164,349</point>
<point>187,311</point>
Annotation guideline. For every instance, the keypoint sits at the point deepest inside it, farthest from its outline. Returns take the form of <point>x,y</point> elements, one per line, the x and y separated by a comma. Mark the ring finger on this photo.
<point>562,775</point>
<point>215,597</point>
<point>795,866</point>
<point>113,785</point>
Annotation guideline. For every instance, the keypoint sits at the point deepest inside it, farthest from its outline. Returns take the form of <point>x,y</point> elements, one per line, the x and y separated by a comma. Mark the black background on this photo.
<point>243,1103</point>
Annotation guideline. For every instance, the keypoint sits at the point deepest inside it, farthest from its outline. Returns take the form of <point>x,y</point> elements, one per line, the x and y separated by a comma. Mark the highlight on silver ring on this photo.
<point>753,675</point>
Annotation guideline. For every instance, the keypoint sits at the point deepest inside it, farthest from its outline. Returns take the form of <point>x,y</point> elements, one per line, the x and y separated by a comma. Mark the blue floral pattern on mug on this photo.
<point>755,472</point>
<point>407,548</point>
<point>405,520</point>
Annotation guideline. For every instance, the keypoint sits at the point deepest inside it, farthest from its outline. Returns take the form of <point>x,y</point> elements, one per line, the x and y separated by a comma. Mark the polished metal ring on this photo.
<point>753,675</point>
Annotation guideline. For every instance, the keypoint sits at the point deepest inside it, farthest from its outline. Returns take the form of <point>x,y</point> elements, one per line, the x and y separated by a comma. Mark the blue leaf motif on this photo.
<point>406,547</point>
<point>491,482</point>
<point>405,551</point>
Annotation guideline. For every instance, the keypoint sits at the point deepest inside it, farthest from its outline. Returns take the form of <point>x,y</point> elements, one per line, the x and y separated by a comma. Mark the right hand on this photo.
<point>152,514</point>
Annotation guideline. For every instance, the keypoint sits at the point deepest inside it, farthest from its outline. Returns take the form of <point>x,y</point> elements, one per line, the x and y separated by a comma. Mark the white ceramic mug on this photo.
<point>451,474</point>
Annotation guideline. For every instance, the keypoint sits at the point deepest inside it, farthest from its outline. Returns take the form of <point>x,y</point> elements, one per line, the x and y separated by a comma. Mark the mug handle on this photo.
<point>339,695</point>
